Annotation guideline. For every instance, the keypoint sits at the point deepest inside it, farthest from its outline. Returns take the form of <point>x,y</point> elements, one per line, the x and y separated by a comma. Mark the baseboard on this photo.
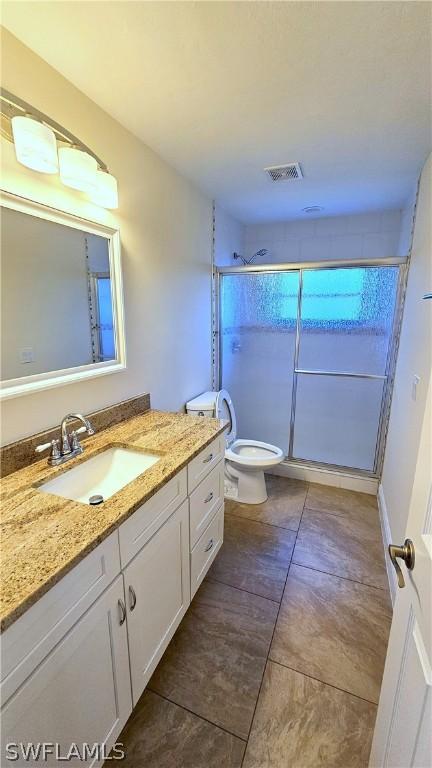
<point>386,536</point>
<point>345,480</point>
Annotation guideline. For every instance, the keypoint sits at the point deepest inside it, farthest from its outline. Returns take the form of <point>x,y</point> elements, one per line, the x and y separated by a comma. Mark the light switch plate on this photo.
<point>26,355</point>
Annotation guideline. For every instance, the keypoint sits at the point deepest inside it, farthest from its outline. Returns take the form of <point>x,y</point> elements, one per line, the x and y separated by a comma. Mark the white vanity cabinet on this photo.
<point>77,661</point>
<point>157,587</point>
<point>80,693</point>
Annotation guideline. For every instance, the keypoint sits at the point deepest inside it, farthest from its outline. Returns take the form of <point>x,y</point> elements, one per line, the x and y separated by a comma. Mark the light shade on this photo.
<point>35,144</point>
<point>77,169</point>
<point>106,193</point>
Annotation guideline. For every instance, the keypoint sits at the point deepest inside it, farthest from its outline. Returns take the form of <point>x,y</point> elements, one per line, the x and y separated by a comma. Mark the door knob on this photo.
<point>405,552</point>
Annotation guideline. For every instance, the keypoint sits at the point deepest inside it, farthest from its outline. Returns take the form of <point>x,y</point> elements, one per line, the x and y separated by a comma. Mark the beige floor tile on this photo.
<point>302,723</point>
<point>283,507</point>
<point>160,734</point>
<point>339,501</point>
<point>214,663</point>
<point>254,557</point>
<point>333,629</point>
<point>341,546</point>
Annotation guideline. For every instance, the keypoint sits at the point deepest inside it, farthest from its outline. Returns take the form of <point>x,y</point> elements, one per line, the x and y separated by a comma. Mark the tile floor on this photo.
<point>279,659</point>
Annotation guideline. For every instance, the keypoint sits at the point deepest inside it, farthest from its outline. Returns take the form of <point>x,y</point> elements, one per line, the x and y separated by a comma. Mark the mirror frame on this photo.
<point>40,381</point>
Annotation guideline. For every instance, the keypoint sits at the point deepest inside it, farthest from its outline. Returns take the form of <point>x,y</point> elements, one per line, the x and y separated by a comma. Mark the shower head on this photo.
<point>259,253</point>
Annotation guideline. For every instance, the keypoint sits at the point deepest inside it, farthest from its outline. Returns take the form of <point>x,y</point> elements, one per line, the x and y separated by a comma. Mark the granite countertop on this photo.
<point>44,536</point>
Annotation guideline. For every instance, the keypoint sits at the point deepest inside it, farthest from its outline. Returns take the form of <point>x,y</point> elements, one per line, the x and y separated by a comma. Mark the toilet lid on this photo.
<point>225,410</point>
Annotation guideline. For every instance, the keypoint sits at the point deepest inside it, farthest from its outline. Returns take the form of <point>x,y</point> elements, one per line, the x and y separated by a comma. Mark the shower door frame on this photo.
<point>387,377</point>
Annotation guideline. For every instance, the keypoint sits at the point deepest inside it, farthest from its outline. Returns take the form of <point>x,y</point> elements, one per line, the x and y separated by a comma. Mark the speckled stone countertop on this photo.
<point>43,536</point>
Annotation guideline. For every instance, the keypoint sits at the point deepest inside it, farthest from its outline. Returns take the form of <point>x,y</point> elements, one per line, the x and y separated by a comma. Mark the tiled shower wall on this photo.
<point>368,235</point>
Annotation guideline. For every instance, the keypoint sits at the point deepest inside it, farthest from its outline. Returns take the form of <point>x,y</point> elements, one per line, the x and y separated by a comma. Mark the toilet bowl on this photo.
<point>245,460</point>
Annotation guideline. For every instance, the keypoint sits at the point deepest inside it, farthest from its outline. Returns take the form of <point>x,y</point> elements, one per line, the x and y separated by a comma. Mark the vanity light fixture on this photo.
<point>77,169</point>
<point>35,144</point>
<point>106,194</point>
<point>36,137</point>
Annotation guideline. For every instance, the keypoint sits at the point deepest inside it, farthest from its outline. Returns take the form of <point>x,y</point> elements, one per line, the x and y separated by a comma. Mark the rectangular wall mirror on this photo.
<point>61,298</point>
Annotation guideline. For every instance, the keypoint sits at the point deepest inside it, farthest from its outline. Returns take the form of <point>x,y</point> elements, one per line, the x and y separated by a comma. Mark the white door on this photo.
<point>80,694</point>
<point>403,731</point>
<point>157,584</point>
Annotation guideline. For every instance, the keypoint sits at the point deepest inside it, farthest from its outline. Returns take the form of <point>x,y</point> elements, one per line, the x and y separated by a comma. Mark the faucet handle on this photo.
<point>42,447</point>
<point>74,439</point>
<point>55,449</point>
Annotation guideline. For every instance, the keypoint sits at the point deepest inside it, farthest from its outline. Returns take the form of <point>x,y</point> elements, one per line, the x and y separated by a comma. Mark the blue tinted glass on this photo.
<point>263,299</point>
<point>258,333</point>
<point>347,318</point>
<point>105,318</point>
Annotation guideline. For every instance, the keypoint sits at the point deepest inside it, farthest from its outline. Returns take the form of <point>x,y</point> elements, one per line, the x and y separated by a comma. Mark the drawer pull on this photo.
<point>132,598</point>
<point>209,458</point>
<point>122,612</point>
<point>208,498</point>
<point>209,545</point>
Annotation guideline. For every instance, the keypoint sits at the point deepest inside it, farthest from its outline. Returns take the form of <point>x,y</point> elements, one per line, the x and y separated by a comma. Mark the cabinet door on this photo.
<point>80,694</point>
<point>157,584</point>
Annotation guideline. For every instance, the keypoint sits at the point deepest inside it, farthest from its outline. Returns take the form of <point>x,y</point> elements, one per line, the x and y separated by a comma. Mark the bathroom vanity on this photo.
<point>93,595</point>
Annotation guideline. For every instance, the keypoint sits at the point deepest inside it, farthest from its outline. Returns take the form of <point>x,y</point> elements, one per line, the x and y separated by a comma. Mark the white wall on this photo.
<point>368,235</point>
<point>228,237</point>
<point>415,358</point>
<point>166,233</point>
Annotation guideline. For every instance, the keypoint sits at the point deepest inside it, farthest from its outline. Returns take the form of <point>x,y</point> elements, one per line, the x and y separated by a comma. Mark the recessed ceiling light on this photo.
<point>313,209</point>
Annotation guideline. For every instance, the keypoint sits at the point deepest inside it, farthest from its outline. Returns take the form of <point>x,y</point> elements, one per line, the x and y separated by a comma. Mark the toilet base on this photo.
<point>245,486</point>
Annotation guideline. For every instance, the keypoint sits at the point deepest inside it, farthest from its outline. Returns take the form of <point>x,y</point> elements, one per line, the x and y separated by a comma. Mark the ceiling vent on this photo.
<point>288,172</point>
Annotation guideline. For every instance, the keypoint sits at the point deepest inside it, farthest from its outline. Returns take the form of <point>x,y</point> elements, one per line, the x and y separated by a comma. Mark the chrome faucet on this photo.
<point>67,446</point>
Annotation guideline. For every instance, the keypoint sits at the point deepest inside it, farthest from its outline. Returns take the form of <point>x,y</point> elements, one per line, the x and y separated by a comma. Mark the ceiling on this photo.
<point>222,89</point>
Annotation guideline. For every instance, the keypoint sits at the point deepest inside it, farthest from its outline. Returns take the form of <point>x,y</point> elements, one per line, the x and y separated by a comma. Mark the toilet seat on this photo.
<point>246,453</point>
<point>224,409</point>
<point>253,453</point>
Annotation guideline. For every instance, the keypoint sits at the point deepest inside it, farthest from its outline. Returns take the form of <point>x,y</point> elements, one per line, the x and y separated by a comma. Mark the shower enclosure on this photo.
<point>307,353</point>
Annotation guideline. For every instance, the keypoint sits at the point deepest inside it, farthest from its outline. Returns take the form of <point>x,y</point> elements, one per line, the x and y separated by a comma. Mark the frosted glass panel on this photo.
<point>337,420</point>
<point>346,319</point>
<point>258,329</point>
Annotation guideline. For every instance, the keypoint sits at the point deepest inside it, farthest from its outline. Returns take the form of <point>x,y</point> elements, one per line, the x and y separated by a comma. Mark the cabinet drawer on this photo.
<point>206,549</point>
<point>205,500</point>
<point>202,464</point>
<point>141,526</point>
<point>26,643</point>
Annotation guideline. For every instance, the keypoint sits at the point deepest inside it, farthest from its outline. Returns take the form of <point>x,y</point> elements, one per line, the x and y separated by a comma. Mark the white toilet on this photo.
<point>245,460</point>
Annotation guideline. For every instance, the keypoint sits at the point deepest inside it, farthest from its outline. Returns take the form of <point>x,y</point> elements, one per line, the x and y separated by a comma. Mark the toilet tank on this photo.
<point>203,405</point>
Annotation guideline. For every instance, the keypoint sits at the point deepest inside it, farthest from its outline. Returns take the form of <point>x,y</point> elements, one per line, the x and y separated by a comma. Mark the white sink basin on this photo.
<point>102,475</point>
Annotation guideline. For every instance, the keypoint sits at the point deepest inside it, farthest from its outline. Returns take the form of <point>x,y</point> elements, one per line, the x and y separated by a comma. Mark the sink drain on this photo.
<point>96,499</point>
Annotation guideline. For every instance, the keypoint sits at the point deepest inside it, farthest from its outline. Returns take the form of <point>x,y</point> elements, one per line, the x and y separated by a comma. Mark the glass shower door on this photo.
<point>345,330</point>
<point>258,341</point>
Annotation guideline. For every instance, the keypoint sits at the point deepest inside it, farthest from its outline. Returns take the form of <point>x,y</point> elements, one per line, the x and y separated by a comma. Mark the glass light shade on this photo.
<point>35,144</point>
<point>106,193</point>
<point>77,169</point>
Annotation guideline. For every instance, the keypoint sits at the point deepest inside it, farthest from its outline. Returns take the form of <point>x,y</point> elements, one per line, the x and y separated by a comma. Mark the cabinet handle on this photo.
<point>208,498</point>
<point>122,611</point>
<point>209,458</point>
<point>209,545</point>
<point>132,598</point>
